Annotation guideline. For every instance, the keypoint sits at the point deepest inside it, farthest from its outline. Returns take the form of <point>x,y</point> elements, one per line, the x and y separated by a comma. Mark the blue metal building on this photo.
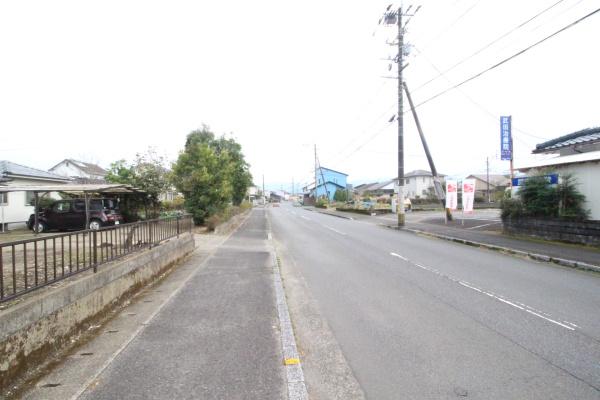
<point>328,181</point>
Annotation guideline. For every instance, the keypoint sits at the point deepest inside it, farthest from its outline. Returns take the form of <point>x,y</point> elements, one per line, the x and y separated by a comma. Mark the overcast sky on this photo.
<point>101,81</point>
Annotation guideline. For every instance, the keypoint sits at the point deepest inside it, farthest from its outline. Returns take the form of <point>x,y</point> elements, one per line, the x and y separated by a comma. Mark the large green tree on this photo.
<point>211,173</point>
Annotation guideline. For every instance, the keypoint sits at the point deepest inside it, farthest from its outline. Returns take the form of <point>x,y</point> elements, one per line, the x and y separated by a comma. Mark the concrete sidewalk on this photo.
<point>561,253</point>
<point>210,331</point>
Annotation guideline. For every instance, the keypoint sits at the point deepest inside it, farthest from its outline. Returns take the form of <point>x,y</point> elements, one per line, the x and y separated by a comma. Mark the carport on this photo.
<point>86,190</point>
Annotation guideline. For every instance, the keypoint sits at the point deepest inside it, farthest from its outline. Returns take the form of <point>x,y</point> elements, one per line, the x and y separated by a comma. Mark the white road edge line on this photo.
<point>481,226</point>
<point>293,367</point>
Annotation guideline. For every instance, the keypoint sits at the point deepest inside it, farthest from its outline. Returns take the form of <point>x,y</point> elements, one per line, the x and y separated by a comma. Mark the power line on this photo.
<point>447,28</point>
<point>488,45</point>
<point>507,59</point>
<point>476,103</point>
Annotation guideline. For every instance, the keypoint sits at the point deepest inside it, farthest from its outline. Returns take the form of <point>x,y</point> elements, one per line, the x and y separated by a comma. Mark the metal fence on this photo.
<point>27,265</point>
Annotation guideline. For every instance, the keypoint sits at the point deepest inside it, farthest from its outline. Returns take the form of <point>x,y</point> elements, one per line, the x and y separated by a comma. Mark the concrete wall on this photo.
<point>582,232</point>
<point>41,323</point>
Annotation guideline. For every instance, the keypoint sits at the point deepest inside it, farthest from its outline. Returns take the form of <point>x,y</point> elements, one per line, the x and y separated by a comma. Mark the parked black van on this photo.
<point>70,214</point>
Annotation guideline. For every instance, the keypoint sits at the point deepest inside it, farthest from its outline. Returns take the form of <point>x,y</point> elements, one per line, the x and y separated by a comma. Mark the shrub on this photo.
<point>537,198</point>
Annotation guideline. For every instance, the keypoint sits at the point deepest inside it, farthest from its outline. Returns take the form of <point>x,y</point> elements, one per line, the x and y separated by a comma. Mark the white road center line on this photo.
<point>306,218</point>
<point>399,256</point>
<point>334,230</point>
<point>565,324</point>
<point>510,303</point>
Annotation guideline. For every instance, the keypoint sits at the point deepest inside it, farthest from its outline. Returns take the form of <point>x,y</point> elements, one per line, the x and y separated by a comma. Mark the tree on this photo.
<point>571,201</point>
<point>538,198</point>
<point>210,173</point>
<point>147,172</point>
<point>340,195</point>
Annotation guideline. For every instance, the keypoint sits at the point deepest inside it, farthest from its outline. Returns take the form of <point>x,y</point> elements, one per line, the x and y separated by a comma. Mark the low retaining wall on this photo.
<point>44,322</point>
<point>581,232</point>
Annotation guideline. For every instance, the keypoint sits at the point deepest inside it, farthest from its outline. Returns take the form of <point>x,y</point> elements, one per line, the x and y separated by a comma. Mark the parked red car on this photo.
<point>70,214</point>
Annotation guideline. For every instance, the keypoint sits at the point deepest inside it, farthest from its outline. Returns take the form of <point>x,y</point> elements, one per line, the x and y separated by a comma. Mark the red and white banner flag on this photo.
<point>451,194</point>
<point>468,194</point>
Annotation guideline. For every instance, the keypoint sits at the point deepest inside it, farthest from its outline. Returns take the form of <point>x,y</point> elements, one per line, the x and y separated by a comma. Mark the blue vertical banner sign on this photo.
<point>506,138</point>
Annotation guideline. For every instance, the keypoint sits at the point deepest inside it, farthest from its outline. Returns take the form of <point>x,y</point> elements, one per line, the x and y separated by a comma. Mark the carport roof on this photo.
<point>83,188</point>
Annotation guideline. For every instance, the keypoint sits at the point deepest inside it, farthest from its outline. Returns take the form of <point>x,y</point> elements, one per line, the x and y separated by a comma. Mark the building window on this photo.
<point>29,199</point>
<point>407,181</point>
<point>4,199</point>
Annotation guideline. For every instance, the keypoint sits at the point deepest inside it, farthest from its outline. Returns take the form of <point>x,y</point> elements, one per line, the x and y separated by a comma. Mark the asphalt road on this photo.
<point>419,318</point>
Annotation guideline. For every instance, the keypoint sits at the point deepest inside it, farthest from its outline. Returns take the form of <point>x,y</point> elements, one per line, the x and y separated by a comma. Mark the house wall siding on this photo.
<point>16,211</point>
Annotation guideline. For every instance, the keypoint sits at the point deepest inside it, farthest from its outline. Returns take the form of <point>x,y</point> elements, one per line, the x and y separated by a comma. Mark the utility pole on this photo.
<point>315,174</point>
<point>487,177</point>
<point>400,118</point>
<point>263,192</point>
<point>436,180</point>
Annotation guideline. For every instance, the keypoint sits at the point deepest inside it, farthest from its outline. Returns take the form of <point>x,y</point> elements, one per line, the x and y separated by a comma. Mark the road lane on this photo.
<point>433,332</point>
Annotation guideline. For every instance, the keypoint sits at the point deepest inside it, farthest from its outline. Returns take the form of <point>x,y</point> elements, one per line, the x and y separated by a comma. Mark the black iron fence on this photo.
<point>27,265</point>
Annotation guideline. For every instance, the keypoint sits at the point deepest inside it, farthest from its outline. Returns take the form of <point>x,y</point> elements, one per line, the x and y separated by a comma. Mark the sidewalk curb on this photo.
<point>534,256</point>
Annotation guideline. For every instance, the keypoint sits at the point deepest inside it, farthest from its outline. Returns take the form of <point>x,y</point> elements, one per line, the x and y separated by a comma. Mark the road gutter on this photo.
<point>519,253</point>
<point>291,358</point>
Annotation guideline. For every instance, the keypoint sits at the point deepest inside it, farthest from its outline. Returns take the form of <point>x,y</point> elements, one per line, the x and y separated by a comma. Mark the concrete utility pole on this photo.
<point>400,205</point>
<point>437,185</point>
<point>487,177</point>
<point>315,174</point>
<point>263,192</point>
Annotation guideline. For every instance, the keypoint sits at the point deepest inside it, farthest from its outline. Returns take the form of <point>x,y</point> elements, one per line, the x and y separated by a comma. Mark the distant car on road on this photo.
<point>70,214</point>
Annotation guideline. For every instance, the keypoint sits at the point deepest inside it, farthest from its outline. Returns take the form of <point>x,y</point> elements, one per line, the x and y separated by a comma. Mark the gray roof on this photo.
<point>420,172</point>
<point>84,188</point>
<point>495,179</point>
<point>584,136</point>
<point>12,170</point>
<point>88,168</point>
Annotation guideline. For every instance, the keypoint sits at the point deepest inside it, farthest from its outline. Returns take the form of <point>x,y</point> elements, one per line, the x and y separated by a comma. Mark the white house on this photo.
<point>418,183</point>
<point>85,172</point>
<point>15,207</point>
<point>579,156</point>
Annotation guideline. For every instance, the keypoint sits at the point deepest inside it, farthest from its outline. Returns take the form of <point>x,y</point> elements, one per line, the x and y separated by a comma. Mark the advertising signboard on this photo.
<point>506,138</point>
<point>468,194</point>
<point>451,194</point>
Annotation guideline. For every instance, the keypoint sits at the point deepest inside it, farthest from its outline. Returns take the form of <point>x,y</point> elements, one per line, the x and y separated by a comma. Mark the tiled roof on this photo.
<point>8,169</point>
<point>584,136</point>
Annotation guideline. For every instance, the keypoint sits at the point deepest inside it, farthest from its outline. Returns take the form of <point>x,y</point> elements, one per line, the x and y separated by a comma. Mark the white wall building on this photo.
<point>579,155</point>
<point>418,183</point>
<point>78,169</point>
<point>15,207</point>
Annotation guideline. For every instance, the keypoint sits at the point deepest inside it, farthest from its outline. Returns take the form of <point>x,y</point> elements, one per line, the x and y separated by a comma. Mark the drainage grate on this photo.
<point>86,354</point>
